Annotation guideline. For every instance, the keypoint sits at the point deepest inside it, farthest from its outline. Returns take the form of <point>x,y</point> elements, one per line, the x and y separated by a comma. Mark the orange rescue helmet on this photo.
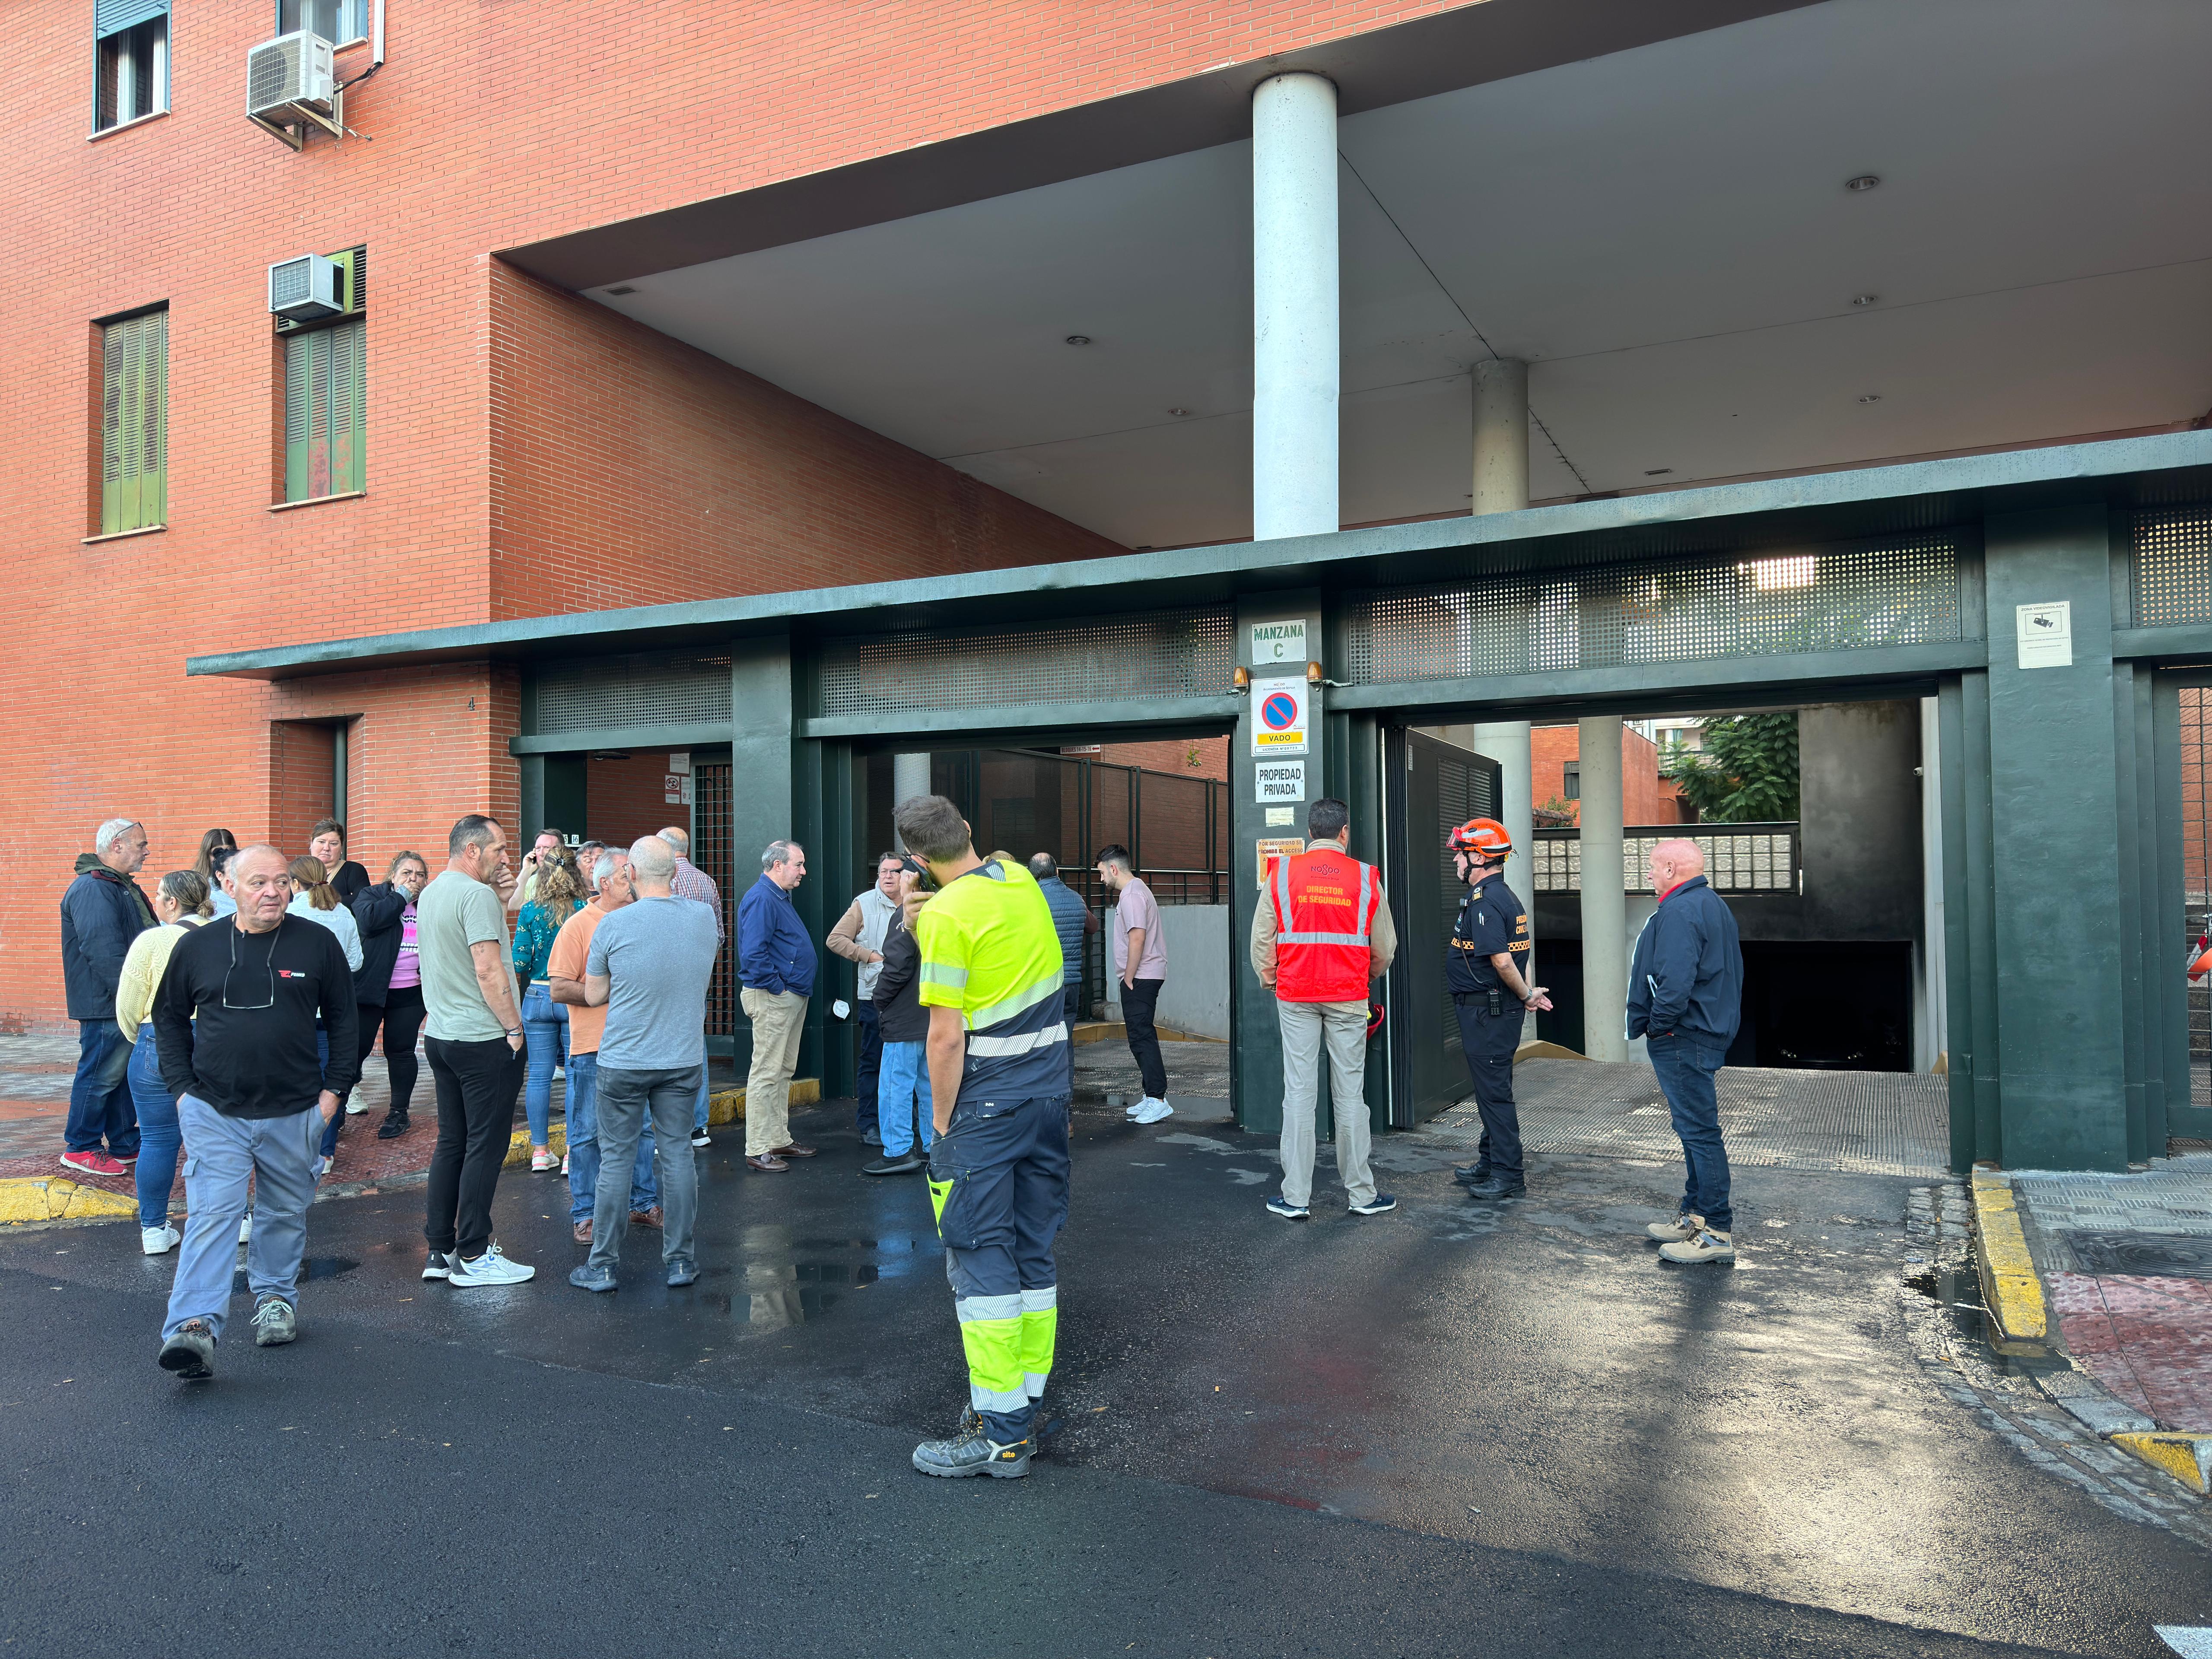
<point>1485,838</point>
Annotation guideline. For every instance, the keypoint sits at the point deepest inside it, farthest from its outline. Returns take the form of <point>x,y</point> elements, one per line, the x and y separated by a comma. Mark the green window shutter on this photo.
<point>324,429</point>
<point>134,423</point>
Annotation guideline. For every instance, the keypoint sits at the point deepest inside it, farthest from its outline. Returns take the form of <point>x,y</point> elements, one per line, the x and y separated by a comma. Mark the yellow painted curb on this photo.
<point>41,1198</point>
<point>2011,1289</point>
<point>2186,1457</point>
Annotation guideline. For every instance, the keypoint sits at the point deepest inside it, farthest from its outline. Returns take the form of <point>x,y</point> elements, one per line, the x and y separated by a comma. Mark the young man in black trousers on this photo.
<point>475,1048</point>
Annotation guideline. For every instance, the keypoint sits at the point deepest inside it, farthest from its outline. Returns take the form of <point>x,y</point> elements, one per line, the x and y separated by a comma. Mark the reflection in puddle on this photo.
<point>787,1281</point>
<point>315,1267</point>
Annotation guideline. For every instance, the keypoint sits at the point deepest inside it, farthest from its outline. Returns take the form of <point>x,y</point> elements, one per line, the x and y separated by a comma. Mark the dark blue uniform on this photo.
<point>1491,921</point>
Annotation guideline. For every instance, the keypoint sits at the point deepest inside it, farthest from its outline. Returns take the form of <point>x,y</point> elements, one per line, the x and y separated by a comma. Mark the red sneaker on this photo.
<point>95,1164</point>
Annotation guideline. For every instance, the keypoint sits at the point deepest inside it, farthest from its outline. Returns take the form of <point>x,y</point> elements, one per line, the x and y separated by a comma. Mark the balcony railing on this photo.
<point>1739,858</point>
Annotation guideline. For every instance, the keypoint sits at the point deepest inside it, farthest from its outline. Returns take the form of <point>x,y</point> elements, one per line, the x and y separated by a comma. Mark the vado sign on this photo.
<point>1279,717</point>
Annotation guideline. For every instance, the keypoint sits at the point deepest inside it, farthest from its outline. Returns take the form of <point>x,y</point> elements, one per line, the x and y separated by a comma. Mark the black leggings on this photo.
<point>402,1020</point>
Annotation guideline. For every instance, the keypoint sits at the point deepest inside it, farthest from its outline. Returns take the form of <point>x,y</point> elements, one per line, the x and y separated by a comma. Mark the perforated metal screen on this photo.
<point>1168,653</point>
<point>654,688</point>
<point>1754,858</point>
<point>2173,565</point>
<point>1901,591</point>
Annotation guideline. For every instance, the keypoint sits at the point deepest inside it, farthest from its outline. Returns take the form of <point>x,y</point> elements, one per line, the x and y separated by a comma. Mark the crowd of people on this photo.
<point>233,1011</point>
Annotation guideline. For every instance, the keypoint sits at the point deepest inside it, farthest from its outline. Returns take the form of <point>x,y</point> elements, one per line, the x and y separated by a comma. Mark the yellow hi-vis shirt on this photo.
<point>989,949</point>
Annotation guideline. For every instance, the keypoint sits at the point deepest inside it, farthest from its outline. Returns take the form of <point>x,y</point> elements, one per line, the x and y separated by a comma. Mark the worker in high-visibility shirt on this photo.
<point>1321,934</point>
<point>997,1052</point>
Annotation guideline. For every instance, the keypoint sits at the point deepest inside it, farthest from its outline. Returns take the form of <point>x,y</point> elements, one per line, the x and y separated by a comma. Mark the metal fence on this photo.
<point>1739,858</point>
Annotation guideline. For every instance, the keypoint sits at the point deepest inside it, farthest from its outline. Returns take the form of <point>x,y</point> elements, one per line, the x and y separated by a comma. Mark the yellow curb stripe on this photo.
<point>2010,1288</point>
<point>41,1198</point>
<point>2186,1457</point>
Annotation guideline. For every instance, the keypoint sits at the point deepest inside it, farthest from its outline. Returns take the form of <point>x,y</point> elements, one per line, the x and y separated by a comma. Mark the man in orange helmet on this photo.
<point>1487,969</point>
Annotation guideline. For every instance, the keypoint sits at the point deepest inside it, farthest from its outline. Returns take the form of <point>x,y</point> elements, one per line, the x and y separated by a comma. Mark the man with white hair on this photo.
<point>234,1024</point>
<point>1685,999</point>
<point>776,965</point>
<point>647,966</point>
<point>694,883</point>
<point>102,912</point>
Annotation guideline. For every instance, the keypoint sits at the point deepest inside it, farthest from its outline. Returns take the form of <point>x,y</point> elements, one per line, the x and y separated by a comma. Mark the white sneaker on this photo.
<point>492,1267</point>
<point>1152,1111</point>
<point>246,1229</point>
<point>1136,1106</point>
<point>355,1107</point>
<point>560,1071</point>
<point>541,1161</point>
<point>159,1241</point>
<point>323,1166</point>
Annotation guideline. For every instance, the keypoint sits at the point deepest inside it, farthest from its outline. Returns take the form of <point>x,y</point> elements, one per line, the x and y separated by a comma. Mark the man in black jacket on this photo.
<point>102,912</point>
<point>1685,998</point>
<point>234,1021</point>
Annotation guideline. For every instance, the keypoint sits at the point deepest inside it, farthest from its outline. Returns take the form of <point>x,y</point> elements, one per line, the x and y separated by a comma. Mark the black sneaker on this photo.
<point>701,1138</point>
<point>1381,1203</point>
<point>189,1354</point>
<point>972,1451</point>
<point>439,1264</point>
<point>904,1163</point>
<point>872,1137</point>
<point>393,1127</point>
<point>1497,1185</point>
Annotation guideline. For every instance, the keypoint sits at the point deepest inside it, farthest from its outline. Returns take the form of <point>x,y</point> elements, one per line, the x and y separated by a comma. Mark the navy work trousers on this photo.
<point>1489,1041</point>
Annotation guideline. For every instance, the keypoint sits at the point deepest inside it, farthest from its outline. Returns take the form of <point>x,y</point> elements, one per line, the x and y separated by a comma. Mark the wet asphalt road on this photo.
<point>1445,1431</point>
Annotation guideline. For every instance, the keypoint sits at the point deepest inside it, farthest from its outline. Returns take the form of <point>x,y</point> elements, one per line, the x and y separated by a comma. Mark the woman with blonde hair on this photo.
<point>181,904</point>
<point>315,899</point>
<point>560,892</point>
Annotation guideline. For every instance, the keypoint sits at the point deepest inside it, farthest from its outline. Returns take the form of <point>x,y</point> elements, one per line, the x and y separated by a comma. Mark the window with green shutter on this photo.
<point>134,425</point>
<point>325,435</point>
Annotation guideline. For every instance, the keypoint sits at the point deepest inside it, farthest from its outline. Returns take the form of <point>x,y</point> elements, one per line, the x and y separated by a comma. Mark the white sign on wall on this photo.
<point>2046,634</point>
<point>1278,641</point>
<point>1276,781</point>
<point>1279,717</point>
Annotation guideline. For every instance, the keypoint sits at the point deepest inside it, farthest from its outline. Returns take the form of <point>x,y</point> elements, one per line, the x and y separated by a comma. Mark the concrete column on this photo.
<point>1501,435</point>
<point>910,778</point>
<point>1294,307</point>
<point>1605,903</point>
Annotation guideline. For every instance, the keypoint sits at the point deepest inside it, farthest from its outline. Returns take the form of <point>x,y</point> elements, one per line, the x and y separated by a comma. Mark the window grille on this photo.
<point>1170,654</point>
<point>654,687</point>
<point>2173,565</point>
<point>1898,592</point>
<point>1757,858</point>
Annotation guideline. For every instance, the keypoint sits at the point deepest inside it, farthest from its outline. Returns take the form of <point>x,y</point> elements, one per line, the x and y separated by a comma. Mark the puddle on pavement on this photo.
<point>1956,1291</point>
<point>315,1267</point>
<point>782,1283</point>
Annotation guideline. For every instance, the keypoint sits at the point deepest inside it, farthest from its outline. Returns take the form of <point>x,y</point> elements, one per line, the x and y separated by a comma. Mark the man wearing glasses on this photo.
<point>234,1025</point>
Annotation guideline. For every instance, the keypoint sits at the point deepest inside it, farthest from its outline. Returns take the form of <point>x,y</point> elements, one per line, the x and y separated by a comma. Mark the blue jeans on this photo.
<point>158,1139</point>
<point>698,1106</point>
<point>584,1144</point>
<point>545,1030</point>
<point>1687,1066</point>
<point>901,1087</point>
<point>100,1097</point>
<point>277,1154</point>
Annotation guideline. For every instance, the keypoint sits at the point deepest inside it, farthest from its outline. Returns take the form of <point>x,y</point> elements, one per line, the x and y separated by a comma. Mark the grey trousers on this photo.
<point>1343,1027</point>
<point>220,1154</point>
<point>624,1097</point>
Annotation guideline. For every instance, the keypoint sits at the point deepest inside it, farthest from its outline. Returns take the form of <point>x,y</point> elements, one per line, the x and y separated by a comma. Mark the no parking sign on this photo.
<point>1279,717</point>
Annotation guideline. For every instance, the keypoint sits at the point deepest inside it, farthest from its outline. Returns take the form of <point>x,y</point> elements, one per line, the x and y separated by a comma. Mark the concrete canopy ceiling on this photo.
<point>1663,233</point>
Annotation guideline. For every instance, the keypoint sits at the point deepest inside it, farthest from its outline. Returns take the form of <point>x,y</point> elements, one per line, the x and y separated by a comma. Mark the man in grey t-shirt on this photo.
<point>648,967</point>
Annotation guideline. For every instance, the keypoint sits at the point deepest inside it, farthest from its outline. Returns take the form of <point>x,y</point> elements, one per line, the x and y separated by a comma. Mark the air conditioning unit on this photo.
<point>290,82</point>
<point>305,288</point>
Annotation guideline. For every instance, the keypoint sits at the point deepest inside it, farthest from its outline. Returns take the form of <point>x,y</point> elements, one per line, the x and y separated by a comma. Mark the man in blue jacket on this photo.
<point>1685,998</point>
<point>775,966</point>
<point>102,912</point>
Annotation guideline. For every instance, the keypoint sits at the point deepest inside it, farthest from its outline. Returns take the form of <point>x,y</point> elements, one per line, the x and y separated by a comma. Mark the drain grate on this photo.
<point>2149,1256</point>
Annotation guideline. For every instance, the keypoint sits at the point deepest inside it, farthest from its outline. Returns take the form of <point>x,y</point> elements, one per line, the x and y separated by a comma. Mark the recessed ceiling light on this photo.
<point>1864,181</point>
<point>1178,411</point>
<point>1079,339</point>
<point>624,288</point>
<point>1864,300</point>
<point>1656,471</point>
<point>1870,396</point>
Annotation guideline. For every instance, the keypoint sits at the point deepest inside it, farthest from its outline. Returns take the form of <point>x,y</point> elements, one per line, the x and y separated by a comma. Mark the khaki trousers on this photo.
<point>1342,1026</point>
<point>779,1020</point>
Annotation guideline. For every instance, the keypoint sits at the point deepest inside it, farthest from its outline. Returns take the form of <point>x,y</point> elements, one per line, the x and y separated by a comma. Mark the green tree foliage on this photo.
<point>1747,772</point>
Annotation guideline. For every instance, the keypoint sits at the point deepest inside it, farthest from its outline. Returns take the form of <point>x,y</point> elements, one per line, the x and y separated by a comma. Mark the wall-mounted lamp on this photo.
<point>1240,678</point>
<point>1313,674</point>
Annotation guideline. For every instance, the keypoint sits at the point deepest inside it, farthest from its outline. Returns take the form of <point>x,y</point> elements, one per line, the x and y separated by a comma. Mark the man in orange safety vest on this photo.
<point>1321,935</point>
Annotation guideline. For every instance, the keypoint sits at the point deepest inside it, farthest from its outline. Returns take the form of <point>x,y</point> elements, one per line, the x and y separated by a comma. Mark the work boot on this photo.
<point>393,1127</point>
<point>1708,1245</point>
<point>1472,1174</point>
<point>1684,1227</point>
<point>1498,1185</point>
<point>972,1451</point>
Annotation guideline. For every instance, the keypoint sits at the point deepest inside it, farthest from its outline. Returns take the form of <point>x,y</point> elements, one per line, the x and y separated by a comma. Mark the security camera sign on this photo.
<point>1279,717</point>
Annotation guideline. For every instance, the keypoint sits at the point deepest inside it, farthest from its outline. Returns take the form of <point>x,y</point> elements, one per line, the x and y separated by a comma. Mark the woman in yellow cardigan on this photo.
<point>179,903</point>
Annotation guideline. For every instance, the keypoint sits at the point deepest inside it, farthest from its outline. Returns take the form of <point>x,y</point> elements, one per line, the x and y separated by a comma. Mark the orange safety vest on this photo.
<point>1325,904</point>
